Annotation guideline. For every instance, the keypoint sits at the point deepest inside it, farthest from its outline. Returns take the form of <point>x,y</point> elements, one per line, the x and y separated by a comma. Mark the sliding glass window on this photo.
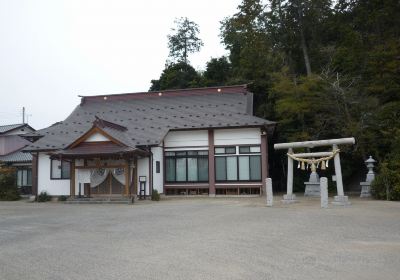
<point>60,169</point>
<point>186,166</point>
<point>242,163</point>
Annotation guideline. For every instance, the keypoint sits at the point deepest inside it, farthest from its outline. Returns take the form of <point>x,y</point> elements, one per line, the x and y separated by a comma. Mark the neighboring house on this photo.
<point>190,141</point>
<point>11,145</point>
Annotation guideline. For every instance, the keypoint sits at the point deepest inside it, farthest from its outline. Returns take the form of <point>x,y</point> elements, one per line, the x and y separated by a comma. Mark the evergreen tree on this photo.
<point>176,76</point>
<point>184,41</point>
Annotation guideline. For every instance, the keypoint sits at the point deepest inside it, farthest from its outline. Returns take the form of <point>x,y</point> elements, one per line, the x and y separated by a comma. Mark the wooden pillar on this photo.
<point>150,172</point>
<point>211,163</point>
<point>35,169</point>
<point>127,183</point>
<point>264,158</point>
<point>134,178</point>
<point>72,179</point>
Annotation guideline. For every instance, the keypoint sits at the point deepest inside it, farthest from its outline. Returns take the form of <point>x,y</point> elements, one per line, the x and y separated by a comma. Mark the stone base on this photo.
<point>211,195</point>
<point>289,198</point>
<point>365,189</point>
<point>312,189</point>
<point>341,200</point>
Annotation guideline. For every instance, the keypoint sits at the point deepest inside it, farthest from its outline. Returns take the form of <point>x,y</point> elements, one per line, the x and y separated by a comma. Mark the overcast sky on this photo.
<point>52,51</point>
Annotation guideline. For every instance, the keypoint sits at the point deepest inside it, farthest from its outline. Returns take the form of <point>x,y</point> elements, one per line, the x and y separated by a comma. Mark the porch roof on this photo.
<point>98,149</point>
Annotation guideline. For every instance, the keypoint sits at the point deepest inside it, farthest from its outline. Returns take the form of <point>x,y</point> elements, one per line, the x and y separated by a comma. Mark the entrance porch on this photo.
<point>102,170</point>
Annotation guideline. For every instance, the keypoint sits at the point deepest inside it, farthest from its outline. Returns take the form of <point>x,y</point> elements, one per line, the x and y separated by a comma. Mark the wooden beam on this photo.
<point>211,162</point>
<point>72,180</point>
<point>135,189</point>
<point>126,169</point>
<point>102,166</point>
<point>35,166</point>
<point>264,158</point>
<point>92,131</point>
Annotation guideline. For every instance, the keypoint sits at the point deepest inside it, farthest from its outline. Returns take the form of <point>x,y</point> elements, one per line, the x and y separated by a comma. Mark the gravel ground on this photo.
<point>204,238</point>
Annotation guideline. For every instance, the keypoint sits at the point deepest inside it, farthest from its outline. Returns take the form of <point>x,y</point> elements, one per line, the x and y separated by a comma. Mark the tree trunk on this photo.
<point>185,52</point>
<point>303,41</point>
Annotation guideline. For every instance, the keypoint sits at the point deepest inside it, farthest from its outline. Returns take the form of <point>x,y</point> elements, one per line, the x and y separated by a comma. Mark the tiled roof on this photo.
<point>149,116</point>
<point>6,128</point>
<point>105,148</point>
<point>9,127</point>
<point>17,156</point>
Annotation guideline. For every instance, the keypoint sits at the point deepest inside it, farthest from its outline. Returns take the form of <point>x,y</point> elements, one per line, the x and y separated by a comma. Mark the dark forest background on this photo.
<point>321,69</point>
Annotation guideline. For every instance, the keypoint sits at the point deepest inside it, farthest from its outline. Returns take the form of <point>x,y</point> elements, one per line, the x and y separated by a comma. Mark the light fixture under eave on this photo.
<point>219,90</point>
<point>105,97</point>
<point>160,94</point>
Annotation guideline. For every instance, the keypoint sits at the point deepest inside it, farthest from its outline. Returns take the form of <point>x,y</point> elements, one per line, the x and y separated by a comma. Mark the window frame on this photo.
<point>185,154</point>
<point>238,154</point>
<point>158,166</point>
<point>26,173</point>
<point>61,172</point>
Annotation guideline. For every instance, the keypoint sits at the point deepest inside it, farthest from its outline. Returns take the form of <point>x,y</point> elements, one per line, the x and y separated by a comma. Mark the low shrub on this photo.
<point>8,188</point>
<point>386,184</point>
<point>155,195</point>
<point>43,197</point>
<point>62,198</point>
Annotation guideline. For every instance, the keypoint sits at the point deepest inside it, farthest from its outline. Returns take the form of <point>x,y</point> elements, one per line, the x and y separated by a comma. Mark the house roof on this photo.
<point>98,149</point>
<point>17,156</point>
<point>147,117</point>
<point>9,127</point>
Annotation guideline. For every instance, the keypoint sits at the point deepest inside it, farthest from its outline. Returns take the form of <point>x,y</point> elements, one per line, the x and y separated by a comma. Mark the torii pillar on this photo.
<point>289,197</point>
<point>340,198</point>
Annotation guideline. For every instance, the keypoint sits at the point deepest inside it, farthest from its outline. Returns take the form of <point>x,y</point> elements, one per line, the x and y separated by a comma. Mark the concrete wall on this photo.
<point>186,138</point>
<point>239,136</point>
<point>158,178</point>
<point>52,187</point>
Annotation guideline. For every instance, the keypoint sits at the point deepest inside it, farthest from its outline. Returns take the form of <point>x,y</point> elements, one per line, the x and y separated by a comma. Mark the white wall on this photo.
<point>191,138</point>
<point>96,137</point>
<point>52,187</point>
<point>143,170</point>
<point>237,136</point>
<point>158,179</point>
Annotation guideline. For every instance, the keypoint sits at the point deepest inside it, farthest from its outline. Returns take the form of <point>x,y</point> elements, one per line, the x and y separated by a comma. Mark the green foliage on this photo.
<point>62,198</point>
<point>218,71</point>
<point>176,76</point>
<point>155,196</point>
<point>8,188</point>
<point>320,68</point>
<point>185,40</point>
<point>387,183</point>
<point>43,197</point>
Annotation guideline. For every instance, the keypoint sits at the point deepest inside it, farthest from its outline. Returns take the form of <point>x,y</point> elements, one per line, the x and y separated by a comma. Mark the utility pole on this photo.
<point>23,114</point>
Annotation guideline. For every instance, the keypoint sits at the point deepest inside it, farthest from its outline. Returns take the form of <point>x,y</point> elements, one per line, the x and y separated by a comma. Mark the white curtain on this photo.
<point>97,176</point>
<point>119,175</point>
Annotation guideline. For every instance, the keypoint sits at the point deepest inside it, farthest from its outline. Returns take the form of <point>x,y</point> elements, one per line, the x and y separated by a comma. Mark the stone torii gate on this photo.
<point>340,198</point>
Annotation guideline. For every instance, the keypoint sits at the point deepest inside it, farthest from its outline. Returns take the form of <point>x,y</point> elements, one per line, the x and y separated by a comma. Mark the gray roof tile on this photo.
<point>149,117</point>
<point>17,156</point>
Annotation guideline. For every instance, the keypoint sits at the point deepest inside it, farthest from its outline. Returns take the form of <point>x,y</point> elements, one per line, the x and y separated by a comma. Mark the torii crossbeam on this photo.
<point>340,199</point>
